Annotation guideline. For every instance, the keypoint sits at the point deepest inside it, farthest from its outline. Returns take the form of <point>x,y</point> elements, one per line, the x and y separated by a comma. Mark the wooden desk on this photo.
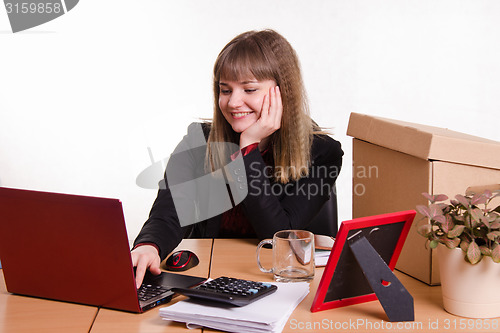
<point>237,258</point>
<point>26,314</point>
<point>109,321</point>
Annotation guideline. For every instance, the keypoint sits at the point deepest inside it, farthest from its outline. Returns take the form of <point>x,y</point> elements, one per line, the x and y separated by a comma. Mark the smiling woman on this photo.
<point>266,59</point>
<point>260,109</point>
<point>241,103</point>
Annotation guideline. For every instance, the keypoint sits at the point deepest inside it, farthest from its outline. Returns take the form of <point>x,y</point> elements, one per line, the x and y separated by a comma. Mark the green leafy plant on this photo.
<point>466,222</point>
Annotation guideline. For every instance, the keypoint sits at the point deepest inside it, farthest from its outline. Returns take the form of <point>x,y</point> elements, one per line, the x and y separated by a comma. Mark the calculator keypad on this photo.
<point>234,286</point>
<point>234,291</point>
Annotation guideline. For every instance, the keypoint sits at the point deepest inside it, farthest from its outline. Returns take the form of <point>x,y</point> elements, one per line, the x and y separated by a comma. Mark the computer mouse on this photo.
<point>181,261</point>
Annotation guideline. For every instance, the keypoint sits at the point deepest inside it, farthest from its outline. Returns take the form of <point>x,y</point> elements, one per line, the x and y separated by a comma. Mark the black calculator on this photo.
<point>237,292</point>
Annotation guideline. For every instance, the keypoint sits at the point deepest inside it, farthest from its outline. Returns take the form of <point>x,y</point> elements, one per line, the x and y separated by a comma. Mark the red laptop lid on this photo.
<point>66,247</point>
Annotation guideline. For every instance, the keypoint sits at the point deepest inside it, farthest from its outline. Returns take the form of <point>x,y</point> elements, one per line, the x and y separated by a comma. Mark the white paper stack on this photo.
<point>323,246</point>
<point>321,257</point>
<point>268,314</point>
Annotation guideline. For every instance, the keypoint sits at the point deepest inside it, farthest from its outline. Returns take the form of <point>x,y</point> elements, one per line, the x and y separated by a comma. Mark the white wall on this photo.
<point>84,96</point>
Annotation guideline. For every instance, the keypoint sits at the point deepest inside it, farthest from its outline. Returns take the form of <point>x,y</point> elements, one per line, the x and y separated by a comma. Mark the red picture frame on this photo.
<point>393,227</point>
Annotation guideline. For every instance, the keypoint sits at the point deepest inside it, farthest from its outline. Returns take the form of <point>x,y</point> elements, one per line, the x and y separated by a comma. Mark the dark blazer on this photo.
<point>269,206</point>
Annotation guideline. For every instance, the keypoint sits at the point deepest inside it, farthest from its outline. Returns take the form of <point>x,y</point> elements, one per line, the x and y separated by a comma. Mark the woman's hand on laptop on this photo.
<point>145,257</point>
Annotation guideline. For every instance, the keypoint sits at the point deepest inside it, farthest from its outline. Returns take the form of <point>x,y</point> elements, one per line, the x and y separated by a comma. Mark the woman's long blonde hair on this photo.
<point>266,55</point>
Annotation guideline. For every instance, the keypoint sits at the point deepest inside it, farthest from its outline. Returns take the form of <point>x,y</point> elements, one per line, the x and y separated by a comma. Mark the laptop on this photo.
<point>74,248</point>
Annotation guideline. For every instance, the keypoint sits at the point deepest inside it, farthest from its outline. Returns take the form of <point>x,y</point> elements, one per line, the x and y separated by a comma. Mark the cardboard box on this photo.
<point>394,162</point>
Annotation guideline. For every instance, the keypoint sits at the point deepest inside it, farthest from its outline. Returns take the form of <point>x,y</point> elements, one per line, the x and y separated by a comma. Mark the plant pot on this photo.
<point>469,290</point>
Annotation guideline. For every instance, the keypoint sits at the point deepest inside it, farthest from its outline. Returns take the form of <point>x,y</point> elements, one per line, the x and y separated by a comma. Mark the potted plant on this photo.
<point>466,233</point>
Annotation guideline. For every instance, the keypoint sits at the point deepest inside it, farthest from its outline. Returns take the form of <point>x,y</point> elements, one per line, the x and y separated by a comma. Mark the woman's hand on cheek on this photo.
<point>269,121</point>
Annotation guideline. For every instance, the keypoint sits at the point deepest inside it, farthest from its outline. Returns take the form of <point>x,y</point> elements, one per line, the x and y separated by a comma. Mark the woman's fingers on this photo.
<point>269,120</point>
<point>266,108</point>
<point>275,108</point>
<point>278,106</point>
<point>143,258</point>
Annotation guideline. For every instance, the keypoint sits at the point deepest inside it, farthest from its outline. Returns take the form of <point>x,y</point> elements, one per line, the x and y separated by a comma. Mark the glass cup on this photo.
<point>293,255</point>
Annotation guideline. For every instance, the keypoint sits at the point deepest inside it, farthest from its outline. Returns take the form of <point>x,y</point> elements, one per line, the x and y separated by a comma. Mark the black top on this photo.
<point>269,206</point>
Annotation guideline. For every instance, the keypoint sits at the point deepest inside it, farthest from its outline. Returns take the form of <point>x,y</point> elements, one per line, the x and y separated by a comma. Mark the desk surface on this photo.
<point>27,314</point>
<point>109,321</point>
<point>237,258</point>
<point>366,317</point>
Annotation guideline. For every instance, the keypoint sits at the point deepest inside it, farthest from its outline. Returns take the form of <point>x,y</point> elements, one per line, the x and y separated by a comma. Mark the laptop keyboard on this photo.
<point>147,291</point>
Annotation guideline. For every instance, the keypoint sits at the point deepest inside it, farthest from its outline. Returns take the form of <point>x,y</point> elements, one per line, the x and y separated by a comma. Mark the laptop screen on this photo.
<point>66,247</point>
